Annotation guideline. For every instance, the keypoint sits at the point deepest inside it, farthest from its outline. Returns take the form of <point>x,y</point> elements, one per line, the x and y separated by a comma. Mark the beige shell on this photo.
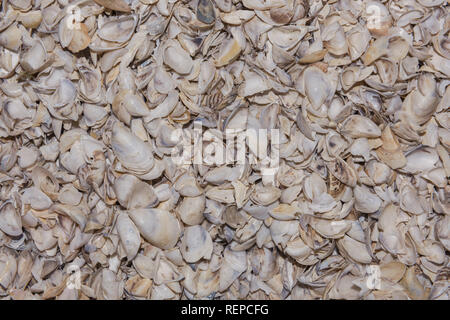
<point>134,154</point>
<point>157,226</point>
<point>191,210</point>
<point>133,193</point>
<point>196,244</point>
<point>10,221</point>
<point>130,169</point>
<point>129,235</point>
<point>360,127</point>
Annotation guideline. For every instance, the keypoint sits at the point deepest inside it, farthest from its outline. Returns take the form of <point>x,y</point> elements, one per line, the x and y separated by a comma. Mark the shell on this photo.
<point>230,150</point>
<point>157,226</point>
<point>133,153</point>
<point>196,244</point>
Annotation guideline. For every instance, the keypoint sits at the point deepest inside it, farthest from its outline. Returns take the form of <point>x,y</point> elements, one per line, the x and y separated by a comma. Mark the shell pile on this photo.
<point>92,205</point>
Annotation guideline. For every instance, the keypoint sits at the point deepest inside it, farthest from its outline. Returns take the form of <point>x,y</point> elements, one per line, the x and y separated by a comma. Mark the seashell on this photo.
<point>331,229</point>
<point>376,50</point>
<point>390,152</point>
<point>8,268</point>
<point>354,249</point>
<point>318,87</point>
<point>133,153</point>
<point>335,180</point>
<point>126,104</point>
<point>283,212</point>
<point>357,126</point>
<point>129,235</point>
<point>414,288</point>
<point>253,84</point>
<point>229,51</point>
<point>157,226</point>
<point>9,61</point>
<point>286,37</point>
<point>187,186</point>
<point>80,39</point>
<point>191,210</point>
<point>36,199</point>
<point>196,244</point>
<point>205,11</point>
<point>133,193</point>
<point>234,263</point>
<point>116,5</point>
<point>393,271</point>
<point>118,29</point>
<point>34,59</point>
<point>178,59</point>
<point>220,195</point>
<point>379,172</point>
<point>343,172</point>
<point>421,103</point>
<point>31,19</point>
<point>357,41</point>
<point>138,287</point>
<point>265,195</point>
<point>409,200</point>
<point>334,36</point>
<point>237,17</point>
<point>11,38</point>
<point>421,160</point>
<point>69,195</point>
<point>366,201</point>
<point>10,221</point>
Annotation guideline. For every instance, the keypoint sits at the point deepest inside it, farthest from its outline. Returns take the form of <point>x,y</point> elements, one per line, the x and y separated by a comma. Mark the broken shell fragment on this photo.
<point>196,244</point>
<point>157,226</point>
<point>230,150</point>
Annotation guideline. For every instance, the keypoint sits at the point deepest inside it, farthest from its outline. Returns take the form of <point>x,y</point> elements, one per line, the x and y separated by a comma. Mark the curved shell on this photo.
<point>129,235</point>
<point>10,221</point>
<point>196,244</point>
<point>357,126</point>
<point>224,149</point>
<point>178,59</point>
<point>157,226</point>
<point>133,193</point>
<point>134,154</point>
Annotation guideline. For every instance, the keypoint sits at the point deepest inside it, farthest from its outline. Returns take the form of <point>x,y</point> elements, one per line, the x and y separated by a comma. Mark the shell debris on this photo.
<point>245,149</point>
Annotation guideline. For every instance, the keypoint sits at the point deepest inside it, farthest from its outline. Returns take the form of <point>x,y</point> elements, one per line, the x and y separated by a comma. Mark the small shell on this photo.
<point>265,195</point>
<point>129,235</point>
<point>134,154</point>
<point>283,212</point>
<point>191,210</point>
<point>157,226</point>
<point>118,29</point>
<point>178,59</point>
<point>196,244</point>
<point>11,38</point>
<point>317,85</point>
<point>205,11</point>
<point>366,201</point>
<point>357,126</point>
<point>354,249</point>
<point>117,5</point>
<point>34,59</point>
<point>133,193</point>
<point>10,221</point>
<point>229,51</point>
